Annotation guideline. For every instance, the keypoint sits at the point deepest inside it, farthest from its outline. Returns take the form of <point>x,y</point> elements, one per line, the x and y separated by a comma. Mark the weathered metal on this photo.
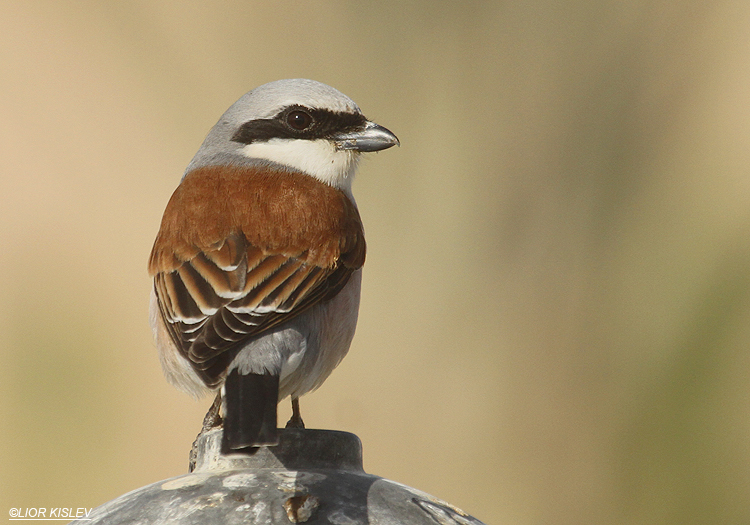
<point>312,476</point>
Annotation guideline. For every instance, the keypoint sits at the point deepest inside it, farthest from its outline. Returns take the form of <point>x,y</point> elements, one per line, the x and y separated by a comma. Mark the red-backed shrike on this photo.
<point>257,264</point>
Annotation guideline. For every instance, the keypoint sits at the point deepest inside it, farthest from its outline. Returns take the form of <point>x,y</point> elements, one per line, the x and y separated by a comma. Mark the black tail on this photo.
<point>250,418</point>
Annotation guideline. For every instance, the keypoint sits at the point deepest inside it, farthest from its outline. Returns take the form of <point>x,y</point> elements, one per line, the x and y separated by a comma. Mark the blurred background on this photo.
<point>556,308</point>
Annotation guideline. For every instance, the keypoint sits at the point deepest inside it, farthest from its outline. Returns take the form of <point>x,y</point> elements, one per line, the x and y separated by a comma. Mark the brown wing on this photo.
<point>215,295</point>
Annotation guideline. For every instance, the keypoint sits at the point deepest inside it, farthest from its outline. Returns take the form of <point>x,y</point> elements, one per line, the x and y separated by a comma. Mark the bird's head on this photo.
<point>297,123</point>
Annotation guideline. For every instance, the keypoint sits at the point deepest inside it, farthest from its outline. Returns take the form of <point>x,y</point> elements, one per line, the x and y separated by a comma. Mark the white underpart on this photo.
<point>318,158</point>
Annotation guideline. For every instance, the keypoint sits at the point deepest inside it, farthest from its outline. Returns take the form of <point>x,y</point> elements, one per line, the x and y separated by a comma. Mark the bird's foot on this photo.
<point>296,420</point>
<point>213,416</point>
<point>211,420</point>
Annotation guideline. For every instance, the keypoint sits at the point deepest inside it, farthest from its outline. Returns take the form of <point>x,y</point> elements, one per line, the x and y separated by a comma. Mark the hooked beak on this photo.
<point>372,138</point>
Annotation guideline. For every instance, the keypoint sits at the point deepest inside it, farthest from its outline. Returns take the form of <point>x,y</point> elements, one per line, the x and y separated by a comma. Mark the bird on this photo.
<point>257,264</point>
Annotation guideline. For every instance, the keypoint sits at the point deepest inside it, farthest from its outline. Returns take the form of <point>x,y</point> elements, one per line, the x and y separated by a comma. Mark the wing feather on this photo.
<point>228,252</point>
<point>207,321</point>
<point>227,284</point>
<point>297,291</point>
<point>182,306</point>
<point>260,297</point>
<point>203,294</point>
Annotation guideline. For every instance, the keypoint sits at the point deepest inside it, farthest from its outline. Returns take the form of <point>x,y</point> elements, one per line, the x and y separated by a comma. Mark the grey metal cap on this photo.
<point>312,476</point>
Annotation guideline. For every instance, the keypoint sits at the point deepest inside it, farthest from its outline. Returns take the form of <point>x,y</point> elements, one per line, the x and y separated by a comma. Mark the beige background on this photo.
<point>556,310</point>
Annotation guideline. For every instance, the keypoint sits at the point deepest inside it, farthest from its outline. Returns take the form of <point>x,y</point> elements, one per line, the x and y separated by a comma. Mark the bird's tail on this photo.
<point>250,402</point>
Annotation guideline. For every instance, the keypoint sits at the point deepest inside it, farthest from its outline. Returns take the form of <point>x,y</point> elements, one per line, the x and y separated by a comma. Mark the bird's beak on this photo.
<point>371,138</point>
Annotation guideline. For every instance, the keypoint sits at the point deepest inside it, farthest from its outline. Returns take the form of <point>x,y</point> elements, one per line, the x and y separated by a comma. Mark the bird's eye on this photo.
<point>299,120</point>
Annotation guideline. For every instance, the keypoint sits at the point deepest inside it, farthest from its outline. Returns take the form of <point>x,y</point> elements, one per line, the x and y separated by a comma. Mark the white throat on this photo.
<point>318,158</point>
